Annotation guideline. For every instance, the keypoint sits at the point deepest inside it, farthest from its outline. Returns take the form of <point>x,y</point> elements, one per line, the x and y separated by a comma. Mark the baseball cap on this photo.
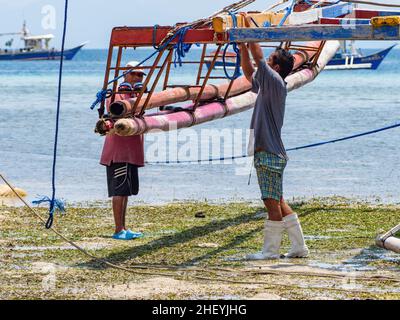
<point>132,64</point>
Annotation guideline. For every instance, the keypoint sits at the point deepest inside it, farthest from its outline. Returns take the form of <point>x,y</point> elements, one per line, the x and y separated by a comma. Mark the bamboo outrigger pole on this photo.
<point>389,241</point>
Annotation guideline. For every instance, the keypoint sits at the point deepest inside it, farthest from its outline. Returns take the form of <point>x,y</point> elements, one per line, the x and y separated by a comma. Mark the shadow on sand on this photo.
<point>182,237</point>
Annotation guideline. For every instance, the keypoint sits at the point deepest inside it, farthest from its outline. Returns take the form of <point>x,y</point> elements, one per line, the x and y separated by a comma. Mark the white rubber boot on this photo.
<point>292,226</point>
<point>272,241</point>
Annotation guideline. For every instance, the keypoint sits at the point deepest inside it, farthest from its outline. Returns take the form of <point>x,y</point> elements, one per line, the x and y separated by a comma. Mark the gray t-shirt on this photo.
<point>269,110</point>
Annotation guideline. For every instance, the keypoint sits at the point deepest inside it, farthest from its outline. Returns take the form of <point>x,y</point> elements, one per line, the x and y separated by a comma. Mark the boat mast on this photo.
<point>25,31</point>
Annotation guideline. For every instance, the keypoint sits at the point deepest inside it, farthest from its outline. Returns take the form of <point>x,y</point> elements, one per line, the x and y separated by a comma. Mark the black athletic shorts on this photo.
<point>122,179</point>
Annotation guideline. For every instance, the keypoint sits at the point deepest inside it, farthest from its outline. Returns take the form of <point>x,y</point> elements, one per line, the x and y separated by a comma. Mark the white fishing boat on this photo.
<point>35,47</point>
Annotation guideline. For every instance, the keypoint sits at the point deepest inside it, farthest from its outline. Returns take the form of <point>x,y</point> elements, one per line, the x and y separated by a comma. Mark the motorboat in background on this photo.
<point>35,47</point>
<point>348,57</point>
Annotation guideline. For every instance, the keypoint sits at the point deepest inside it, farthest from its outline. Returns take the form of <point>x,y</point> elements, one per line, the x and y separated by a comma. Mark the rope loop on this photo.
<point>101,96</point>
<point>237,72</point>
<point>54,204</point>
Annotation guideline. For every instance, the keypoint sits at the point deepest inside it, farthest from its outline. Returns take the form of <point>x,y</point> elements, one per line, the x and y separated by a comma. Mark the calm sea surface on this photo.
<point>337,104</point>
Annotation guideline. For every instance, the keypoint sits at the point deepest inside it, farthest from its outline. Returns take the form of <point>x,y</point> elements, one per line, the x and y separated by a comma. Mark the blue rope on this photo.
<point>237,72</point>
<point>100,97</point>
<point>234,20</point>
<point>313,145</point>
<point>345,138</point>
<point>181,49</point>
<point>53,202</point>
<point>289,10</point>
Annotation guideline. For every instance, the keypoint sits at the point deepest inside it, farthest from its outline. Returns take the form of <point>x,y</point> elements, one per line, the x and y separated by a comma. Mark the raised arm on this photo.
<point>255,48</point>
<point>247,65</point>
<point>256,52</point>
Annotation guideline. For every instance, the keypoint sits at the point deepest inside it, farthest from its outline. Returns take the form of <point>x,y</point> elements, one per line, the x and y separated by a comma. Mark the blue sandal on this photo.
<point>133,234</point>
<point>122,235</point>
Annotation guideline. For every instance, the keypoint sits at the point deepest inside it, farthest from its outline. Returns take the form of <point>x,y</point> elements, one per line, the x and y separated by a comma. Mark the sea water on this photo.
<point>336,104</point>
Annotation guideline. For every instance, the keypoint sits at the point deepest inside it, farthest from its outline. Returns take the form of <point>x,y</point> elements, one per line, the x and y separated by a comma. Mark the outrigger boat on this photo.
<point>320,24</point>
<point>349,58</point>
<point>35,48</point>
<point>315,26</point>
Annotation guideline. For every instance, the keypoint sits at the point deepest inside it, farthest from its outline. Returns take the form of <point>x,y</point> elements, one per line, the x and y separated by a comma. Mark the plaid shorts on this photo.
<point>269,169</point>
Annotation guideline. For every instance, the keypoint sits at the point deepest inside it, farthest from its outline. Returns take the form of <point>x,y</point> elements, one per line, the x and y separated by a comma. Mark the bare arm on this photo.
<point>255,48</point>
<point>247,65</point>
<point>257,53</point>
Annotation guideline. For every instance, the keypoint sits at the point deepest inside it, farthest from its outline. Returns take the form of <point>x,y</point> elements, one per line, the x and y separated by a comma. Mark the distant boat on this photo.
<point>350,58</point>
<point>35,48</point>
<point>347,58</point>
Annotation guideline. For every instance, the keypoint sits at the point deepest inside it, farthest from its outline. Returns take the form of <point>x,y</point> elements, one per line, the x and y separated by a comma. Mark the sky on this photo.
<point>93,20</point>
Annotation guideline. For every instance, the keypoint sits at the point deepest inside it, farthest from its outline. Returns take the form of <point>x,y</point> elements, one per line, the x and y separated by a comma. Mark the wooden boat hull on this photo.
<point>217,110</point>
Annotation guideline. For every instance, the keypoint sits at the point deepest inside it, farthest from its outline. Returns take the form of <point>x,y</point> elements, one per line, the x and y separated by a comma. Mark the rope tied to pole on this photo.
<point>101,96</point>
<point>181,48</point>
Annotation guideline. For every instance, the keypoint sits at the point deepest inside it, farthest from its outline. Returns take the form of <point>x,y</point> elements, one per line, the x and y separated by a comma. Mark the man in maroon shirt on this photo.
<point>123,156</point>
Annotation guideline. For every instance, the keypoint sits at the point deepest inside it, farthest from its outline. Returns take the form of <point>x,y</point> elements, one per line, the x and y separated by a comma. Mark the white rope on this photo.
<point>276,5</point>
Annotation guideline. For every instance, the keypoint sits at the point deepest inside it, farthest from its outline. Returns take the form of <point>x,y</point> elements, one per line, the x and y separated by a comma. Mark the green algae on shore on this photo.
<point>190,256</point>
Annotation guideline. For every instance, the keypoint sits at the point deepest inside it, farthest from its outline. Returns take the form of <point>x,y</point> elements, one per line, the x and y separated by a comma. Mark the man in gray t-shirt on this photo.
<point>270,156</point>
<point>269,110</point>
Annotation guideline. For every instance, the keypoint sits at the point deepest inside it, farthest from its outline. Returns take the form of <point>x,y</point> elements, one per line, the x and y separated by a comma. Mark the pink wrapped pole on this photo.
<point>216,110</point>
<point>181,94</point>
<point>184,119</point>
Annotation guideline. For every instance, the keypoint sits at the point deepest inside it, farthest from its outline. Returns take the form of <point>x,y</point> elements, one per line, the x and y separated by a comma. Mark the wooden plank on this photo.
<point>143,36</point>
<point>313,15</point>
<point>336,10</point>
<point>314,32</point>
<point>344,21</point>
<point>368,14</point>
